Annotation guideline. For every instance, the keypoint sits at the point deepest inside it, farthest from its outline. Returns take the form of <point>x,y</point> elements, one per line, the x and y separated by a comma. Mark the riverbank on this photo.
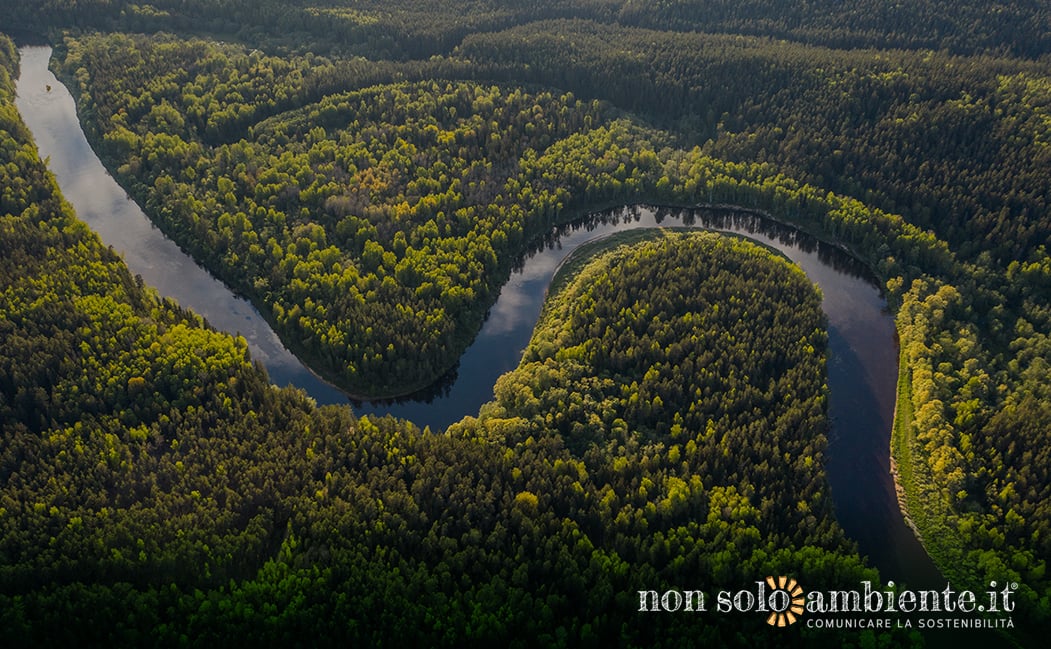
<point>921,504</point>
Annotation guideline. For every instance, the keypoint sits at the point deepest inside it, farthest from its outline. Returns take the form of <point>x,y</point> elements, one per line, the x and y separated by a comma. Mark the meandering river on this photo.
<point>862,358</point>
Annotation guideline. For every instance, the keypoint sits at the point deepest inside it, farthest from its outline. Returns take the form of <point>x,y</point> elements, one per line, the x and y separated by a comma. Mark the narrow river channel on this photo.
<point>862,357</point>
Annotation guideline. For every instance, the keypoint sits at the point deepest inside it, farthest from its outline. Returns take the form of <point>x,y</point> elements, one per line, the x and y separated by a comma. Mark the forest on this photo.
<point>369,175</point>
<point>418,29</point>
<point>157,491</point>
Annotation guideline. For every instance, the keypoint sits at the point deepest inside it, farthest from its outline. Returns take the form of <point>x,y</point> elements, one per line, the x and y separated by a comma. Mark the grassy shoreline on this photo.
<point>921,505</point>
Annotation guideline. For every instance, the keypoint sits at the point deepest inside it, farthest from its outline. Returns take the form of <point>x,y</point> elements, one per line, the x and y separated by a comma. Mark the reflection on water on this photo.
<point>50,113</point>
<point>850,294</point>
<point>862,352</point>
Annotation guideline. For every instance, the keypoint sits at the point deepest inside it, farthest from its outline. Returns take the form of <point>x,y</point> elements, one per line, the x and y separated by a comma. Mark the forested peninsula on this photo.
<point>369,175</point>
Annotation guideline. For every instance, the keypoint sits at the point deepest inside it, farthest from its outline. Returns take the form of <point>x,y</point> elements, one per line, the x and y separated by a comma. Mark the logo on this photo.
<point>782,601</point>
<point>786,601</point>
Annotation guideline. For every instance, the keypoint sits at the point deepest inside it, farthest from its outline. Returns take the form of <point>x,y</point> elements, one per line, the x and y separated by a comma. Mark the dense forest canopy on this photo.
<point>368,173</point>
<point>958,143</point>
<point>156,490</point>
<point>421,28</point>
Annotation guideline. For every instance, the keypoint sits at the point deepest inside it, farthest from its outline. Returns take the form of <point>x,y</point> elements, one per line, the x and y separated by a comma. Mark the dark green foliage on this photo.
<point>397,29</point>
<point>957,144</point>
<point>133,439</point>
<point>697,356</point>
<point>1018,27</point>
<point>375,226</point>
<point>369,224</point>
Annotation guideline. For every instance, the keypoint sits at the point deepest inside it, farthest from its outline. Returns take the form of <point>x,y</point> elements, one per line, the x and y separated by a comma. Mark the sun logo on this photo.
<point>786,600</point>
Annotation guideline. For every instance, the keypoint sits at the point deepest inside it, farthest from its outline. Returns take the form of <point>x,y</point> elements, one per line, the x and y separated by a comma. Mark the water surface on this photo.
<point>49,111</point>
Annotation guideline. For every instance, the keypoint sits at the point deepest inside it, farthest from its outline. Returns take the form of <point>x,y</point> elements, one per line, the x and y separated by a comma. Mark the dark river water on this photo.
<point>862,359</point>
